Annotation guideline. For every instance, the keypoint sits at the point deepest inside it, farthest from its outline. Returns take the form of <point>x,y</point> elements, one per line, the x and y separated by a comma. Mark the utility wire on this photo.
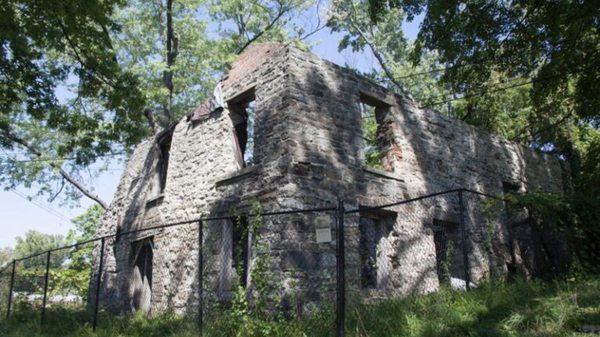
<point>46,208</point>
<point>481,93</point>
<point>486,91</point>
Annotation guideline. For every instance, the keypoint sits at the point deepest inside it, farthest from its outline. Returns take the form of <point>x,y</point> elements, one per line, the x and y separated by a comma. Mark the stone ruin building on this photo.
<point>285,129</point>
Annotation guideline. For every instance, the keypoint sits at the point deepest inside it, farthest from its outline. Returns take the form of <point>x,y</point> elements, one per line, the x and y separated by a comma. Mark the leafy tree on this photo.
<point>35,242</point>
<point>391,50</point>
<point>85,229</point>
<point>74,276</point>
<point>168,46</point>
<point>124,69</point>
<point>244,22</point>
<point>551,45</point>
<point>48,47</point>
<point>523,69</point>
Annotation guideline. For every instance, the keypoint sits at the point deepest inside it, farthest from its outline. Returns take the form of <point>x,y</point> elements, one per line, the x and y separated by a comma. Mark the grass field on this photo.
<point>493,309</point>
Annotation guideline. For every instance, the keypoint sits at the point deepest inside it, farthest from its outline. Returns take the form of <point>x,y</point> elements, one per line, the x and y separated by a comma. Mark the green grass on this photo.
<point>493,309</point>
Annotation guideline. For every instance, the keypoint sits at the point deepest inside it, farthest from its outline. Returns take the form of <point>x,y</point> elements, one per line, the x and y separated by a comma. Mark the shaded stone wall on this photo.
<point>309,152</point>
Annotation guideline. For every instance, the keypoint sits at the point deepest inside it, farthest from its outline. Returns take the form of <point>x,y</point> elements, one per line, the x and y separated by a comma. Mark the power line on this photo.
<point>486,91</point>
<point>46,208</point>
<point>435,70</point>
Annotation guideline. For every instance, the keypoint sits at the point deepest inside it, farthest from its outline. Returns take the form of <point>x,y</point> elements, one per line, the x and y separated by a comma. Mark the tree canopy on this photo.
<point>35,242</point>
<point>82,82</point>
<point>526,70</point>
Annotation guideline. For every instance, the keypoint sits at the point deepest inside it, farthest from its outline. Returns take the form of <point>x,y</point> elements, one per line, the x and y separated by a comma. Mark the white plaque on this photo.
<point>323,228</point>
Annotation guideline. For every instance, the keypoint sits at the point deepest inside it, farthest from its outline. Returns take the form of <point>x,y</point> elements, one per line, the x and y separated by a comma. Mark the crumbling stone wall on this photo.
<point>309,152</point>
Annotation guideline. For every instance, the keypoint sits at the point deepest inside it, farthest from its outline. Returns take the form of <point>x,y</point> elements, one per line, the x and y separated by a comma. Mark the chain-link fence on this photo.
<point>455,239</point>
<point>5,275</point>
<point>54,279</point>
<point>252,268</point>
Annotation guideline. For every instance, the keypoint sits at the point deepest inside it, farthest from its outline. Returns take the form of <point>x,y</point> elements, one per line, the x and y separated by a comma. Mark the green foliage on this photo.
<point>43,45</point>
<point>521,308</point>
<point>586,198</point>
<point>70,269</point>
<point>447,261</point>
<point>50,50</point>
<point>74,277</point>
<point>141,46</point>
<point>520,69</point>
<point>373,153</point>
<point>6,256</point>
<point>551,209</point>
<point>35,242</point>
<point>554,42</point>
<point>250,313</point>
<point>85,229</point>
<point>241,22</point>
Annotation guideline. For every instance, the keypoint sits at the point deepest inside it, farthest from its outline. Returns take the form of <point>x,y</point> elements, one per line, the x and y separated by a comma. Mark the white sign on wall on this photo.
<point>323,228</point>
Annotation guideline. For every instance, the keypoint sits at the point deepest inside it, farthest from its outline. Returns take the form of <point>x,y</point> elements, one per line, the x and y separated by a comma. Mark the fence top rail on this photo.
<point>362,209</point>
<point>229,217</point>
<point>484,194</point>
<point>179,223</point>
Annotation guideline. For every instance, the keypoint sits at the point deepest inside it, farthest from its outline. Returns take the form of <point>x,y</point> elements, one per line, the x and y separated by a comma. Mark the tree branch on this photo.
<point>280,13</point>
<point>172,51</point>
<point>63,173</point>
<point>317,28</point>
<point>521,137</point>
<point>375,52</point>
<point>86,67</point>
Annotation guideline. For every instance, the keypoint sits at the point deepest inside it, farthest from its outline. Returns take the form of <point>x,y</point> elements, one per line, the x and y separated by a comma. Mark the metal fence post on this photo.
<point>98,284</point>
<point>10,292</point>
<point>463,235</point>
<point>43,318</point>
<point>340,268</point>
<point>511,242</point>
<point>200,277</point>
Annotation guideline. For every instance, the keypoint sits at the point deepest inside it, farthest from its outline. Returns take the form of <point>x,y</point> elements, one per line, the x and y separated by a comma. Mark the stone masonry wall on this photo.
<point>428,151</point>
<point>309,152</point>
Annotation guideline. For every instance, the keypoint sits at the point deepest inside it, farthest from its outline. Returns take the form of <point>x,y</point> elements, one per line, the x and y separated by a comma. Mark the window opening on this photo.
<point>447,240</point>
<point>243,114</point>
<point>374,226</point>
<point>159,181</point>
<point>164,145</point>
<point>371,112</point>
<point>510,187</point>
<point>513,217</point>
<point>142,275</point>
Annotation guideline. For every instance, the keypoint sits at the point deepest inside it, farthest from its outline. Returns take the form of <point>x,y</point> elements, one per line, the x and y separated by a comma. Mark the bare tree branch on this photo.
<point>375,51</point>
<point>282,10</point>
<point>32,149</point>
<point>532,135</point>
<point>62,186</point>
<point>318,27</point>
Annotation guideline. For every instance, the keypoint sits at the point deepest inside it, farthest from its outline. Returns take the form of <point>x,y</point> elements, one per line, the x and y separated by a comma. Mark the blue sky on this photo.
<point>18,215</point>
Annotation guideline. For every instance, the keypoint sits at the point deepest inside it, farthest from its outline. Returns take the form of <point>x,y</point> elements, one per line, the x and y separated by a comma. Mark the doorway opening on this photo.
<point>141,281</point>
